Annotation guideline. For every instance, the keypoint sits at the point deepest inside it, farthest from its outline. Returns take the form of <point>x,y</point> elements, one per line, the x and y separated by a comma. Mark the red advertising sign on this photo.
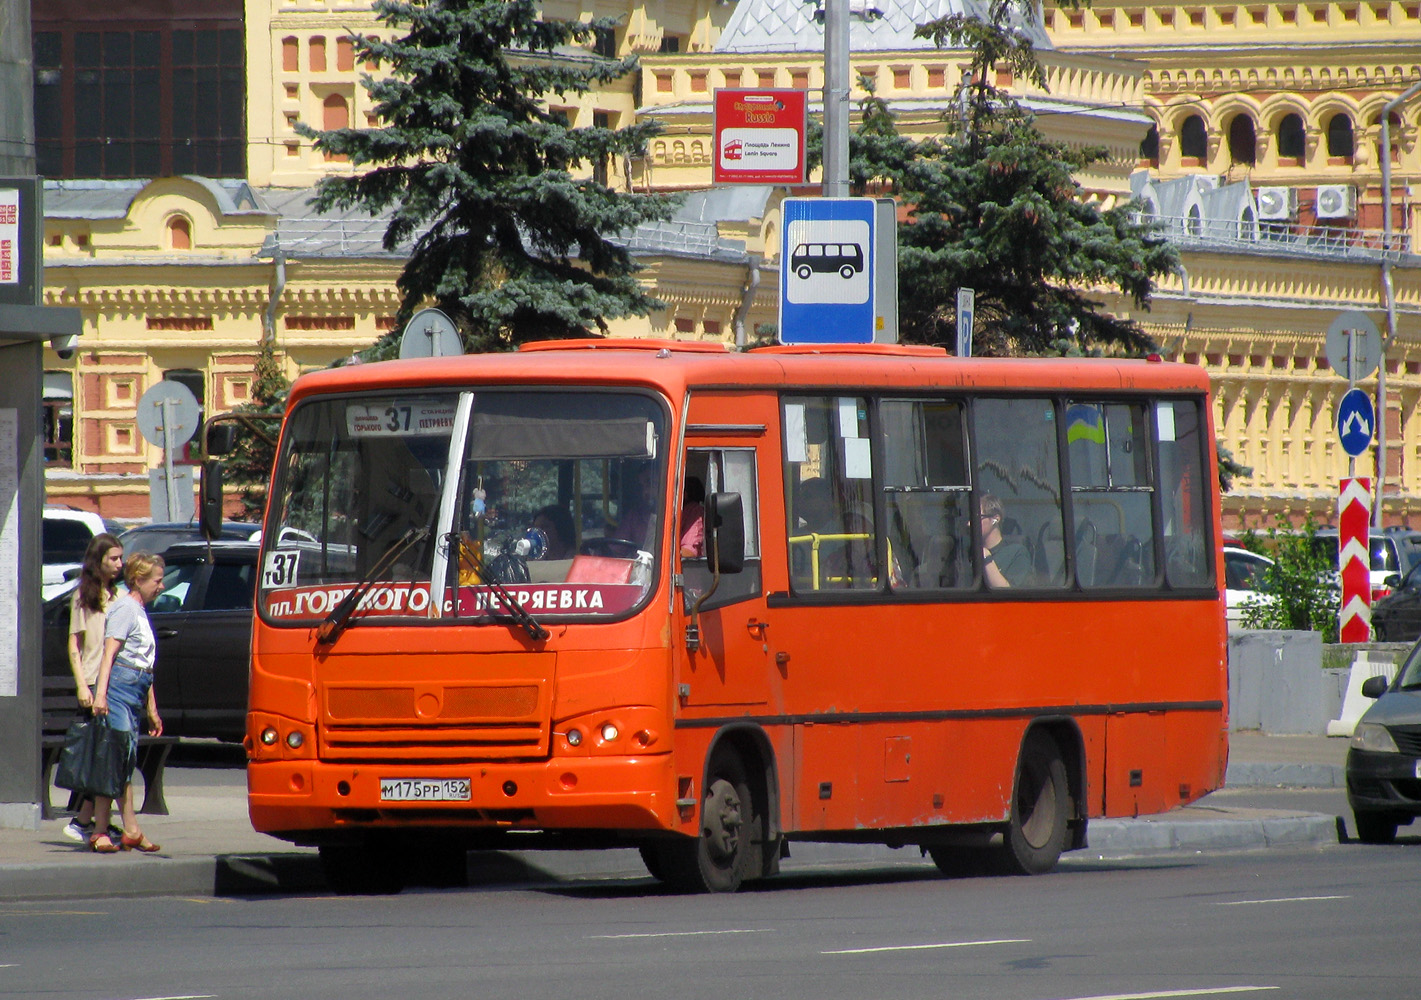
<point>759,136</point>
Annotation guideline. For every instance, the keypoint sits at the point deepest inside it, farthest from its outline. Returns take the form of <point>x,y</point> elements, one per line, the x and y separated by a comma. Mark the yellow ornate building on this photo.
<point>181,277</point>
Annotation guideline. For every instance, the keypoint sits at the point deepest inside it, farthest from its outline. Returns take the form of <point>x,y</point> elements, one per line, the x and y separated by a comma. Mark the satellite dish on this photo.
<point>430,334</point>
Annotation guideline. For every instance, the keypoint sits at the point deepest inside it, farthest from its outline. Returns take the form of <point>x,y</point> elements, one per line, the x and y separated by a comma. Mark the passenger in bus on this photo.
<point>556,525</point>
<point>693,519</point>
<point>1005,561</point>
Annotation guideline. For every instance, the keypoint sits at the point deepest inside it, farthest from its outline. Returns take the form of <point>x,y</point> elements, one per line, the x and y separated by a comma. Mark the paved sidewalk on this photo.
<point>209,847</point>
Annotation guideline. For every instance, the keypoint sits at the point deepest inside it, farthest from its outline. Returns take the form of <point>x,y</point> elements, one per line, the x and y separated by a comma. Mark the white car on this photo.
<point>1244,581</point>
<point>66,533</point>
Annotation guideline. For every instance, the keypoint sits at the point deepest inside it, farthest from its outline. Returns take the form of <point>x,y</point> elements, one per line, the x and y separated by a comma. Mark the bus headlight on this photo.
<point>269,736</point>
<point>1374,737</point>
<point>574,737</point>
<point>609,732</point>
<point>294,739</point>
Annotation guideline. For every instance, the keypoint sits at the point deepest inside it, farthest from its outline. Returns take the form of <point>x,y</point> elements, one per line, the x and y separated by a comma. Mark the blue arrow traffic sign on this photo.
<point>1355,422</point>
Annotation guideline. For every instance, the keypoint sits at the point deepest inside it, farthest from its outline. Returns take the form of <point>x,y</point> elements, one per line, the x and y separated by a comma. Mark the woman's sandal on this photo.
<point>102,843</point>
<point>139,843</point>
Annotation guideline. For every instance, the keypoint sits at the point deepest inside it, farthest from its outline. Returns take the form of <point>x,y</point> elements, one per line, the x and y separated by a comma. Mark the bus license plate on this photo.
<point>424,789</point>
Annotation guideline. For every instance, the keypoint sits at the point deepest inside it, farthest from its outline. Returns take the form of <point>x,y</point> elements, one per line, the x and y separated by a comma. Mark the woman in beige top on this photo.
<point>88,607</point>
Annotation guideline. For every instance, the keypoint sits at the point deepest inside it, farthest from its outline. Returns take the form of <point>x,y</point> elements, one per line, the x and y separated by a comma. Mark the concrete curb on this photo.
<point>1242,774</point>
<point>1128,838</point>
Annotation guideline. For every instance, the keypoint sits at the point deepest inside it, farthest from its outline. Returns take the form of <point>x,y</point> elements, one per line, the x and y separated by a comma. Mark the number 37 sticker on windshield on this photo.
<point>400,418</point>
<point>280,569</point>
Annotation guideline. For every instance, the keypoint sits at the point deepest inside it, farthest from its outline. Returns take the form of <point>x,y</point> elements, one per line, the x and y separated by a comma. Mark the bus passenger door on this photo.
<point>734,657</point>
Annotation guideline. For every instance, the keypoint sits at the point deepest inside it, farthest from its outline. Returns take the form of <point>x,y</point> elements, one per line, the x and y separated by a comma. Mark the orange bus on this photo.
<point>708,603</point>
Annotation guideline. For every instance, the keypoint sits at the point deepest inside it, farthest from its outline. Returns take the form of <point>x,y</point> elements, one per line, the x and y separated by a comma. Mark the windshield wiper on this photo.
<point>334,623</point>
<point>516,611</point>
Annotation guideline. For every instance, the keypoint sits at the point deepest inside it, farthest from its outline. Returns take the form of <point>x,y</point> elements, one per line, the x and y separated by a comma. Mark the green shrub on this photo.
<point>1302,583</point>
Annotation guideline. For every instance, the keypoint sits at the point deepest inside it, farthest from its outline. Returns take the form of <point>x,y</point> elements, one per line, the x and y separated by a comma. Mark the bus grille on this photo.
<point>434,721</point>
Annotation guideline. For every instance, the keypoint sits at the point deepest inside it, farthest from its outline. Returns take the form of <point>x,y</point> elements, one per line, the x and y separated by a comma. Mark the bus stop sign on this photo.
<point>827,271</point>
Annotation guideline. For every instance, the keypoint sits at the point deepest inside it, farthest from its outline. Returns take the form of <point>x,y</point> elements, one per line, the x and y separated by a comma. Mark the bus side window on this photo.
<point>1187,548</point>
<point>829,494</point>
<point>1018,464</point>
<point>723,470</point>
<point>1111,491</point>
<point>927,493</point>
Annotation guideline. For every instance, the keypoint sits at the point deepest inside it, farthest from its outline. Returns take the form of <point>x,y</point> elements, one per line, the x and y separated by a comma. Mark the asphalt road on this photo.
<point>1320,924</point>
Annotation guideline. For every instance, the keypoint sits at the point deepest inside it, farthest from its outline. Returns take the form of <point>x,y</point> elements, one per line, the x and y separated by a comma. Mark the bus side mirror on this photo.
<point>221,438</point>
<point>725,532</point>
<point>209,519</point>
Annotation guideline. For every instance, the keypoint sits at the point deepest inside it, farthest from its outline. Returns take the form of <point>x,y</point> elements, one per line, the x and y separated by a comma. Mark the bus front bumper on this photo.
<point>296,799</point>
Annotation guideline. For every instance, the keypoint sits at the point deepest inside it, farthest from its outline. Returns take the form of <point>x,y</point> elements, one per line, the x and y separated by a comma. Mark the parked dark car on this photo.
<point>1397,617</point>
<point>203,625</point>
<point>158,536</point>
<point>1384,760</point>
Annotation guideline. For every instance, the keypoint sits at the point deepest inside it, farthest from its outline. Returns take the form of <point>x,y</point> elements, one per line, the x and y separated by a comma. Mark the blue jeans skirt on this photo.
<point>128,705</point>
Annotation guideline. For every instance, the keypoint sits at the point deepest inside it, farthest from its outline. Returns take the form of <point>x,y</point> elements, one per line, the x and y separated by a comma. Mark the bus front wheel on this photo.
<point>1036,832</point>
<point>722,855</point>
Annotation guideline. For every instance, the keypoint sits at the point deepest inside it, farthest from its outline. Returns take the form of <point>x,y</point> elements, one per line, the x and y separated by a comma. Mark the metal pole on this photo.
<point>1388,298</point>
<point>168,404</point>
<point>836,98</point>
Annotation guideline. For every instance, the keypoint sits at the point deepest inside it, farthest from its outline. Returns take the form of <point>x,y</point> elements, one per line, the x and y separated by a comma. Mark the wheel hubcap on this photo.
<point>720,819</point>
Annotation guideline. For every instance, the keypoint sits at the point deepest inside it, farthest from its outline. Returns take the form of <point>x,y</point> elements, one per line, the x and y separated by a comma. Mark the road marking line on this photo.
<point>53,913</point>
<point>925,947</point>
<point>184,996</point>
<point>1281,899</point>
<point>663,934</point>
<point>1206,992</point>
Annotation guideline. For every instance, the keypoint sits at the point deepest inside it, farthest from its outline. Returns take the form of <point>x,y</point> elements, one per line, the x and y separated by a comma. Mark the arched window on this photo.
<point>1292,141</point>
<point>179,233</point>
<point>1243,140</point>
<point>335,114</point>
<point>290,54</point>
<point>1394,128</point>
<point>1194,140</point>
<point>1149,146</point>
<point>1340,141</point>
<point>1196,221</point>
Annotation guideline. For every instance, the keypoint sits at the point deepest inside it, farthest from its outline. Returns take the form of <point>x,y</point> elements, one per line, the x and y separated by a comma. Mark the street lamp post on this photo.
<point>836,98</point>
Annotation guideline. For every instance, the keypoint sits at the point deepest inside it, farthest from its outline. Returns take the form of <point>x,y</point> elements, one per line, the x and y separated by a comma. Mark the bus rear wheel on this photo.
<point>1036,832</point>
<point>721,857</point>
<point>367,868</point>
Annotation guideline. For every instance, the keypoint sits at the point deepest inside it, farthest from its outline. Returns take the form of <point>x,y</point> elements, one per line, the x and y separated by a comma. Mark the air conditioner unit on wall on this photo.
<point>1275,203</point>
<point>1336,201</point>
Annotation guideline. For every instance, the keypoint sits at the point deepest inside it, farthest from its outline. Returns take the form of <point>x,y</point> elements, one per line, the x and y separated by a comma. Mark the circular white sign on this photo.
<point>1354,345</point>
<point>181,413</point>
<point>430,334</point>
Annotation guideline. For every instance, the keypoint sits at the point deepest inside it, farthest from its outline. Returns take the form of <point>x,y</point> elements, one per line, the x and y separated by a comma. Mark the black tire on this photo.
<point>1040,809</point>
<point>363,869</point>
<point>846,272</point>
<point>1375,827</point>
<point>727,851</point>
<point>804,271</point>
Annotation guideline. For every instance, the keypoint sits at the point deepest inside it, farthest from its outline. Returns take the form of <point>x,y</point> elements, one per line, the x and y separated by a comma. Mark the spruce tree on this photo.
<point>993,205</point>
<point>480,175</point>
<point>250,463</point>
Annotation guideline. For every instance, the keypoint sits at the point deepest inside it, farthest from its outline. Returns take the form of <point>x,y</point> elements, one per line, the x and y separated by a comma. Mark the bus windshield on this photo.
<point>454,504</point>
